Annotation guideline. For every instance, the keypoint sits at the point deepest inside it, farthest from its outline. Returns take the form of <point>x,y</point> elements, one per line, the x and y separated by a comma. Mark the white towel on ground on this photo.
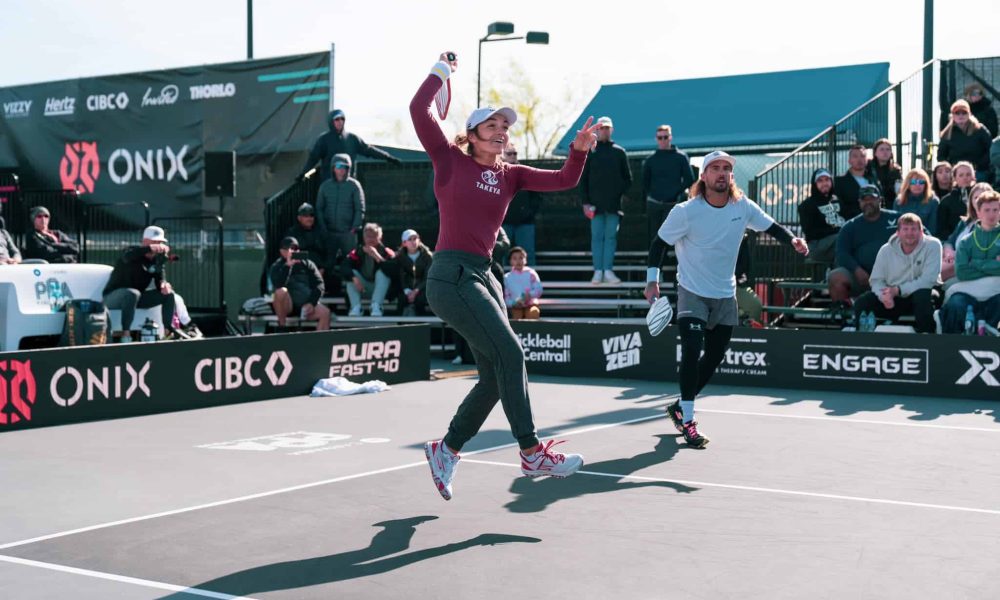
<point>339,386</point>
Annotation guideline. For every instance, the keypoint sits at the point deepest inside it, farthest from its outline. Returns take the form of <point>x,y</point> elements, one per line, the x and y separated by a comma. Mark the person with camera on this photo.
<point>129,286</point>
<point>474,187</point>
<point>298,286</point>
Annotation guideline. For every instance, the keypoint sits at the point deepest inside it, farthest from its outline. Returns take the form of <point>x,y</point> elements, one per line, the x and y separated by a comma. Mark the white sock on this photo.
<point>687,407</point>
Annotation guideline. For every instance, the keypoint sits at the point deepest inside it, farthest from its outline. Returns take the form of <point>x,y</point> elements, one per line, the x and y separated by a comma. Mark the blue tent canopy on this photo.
<point>762,109</point>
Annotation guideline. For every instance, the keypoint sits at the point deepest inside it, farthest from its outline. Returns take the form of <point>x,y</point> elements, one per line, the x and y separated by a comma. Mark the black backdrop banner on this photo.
<point>944,366</point>
<point>142,136</point>
<point>69,385</point>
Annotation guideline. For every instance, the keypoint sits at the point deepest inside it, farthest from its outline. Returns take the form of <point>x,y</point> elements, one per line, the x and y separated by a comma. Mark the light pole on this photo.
<point>505,29</point>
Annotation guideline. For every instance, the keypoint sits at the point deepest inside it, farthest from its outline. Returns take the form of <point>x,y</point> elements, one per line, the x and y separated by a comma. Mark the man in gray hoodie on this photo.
<point>340,209</point>
<point>906,269</point>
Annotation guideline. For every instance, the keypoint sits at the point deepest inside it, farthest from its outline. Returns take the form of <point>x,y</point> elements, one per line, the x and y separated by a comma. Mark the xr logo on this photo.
<point>982,363</point>
<point>17,391</point>
<point>80,167</point>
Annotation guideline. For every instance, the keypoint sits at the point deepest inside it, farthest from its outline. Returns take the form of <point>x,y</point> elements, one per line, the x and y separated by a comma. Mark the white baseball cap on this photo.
<point>605,122</point>
<point>409,233</point>
<point>154,233</point>
<point>717,155</point>
<point>481,114</point>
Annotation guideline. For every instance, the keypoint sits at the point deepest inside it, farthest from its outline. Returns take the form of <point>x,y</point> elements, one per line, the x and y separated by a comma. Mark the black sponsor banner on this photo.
<point>142,136</point>
<point>68,385</point>
<point>947,366</point>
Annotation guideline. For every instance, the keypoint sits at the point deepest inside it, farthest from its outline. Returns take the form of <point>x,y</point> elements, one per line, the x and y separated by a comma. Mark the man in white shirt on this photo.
<point>706,232</point>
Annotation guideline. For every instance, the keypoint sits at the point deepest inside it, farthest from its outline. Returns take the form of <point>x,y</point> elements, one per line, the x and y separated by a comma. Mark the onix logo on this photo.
<point>17,391</point>
<point>80,167</point>
<point>232,372</point>
<point>982,363</point>
<point>490,177</point>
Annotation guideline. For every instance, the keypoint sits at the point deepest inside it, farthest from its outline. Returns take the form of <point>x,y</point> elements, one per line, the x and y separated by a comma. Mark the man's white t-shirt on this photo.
<point>707,242</point>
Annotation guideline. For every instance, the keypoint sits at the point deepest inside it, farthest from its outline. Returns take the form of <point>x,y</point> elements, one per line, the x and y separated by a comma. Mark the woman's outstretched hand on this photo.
<point>586,137</point>
<point>451,59</point>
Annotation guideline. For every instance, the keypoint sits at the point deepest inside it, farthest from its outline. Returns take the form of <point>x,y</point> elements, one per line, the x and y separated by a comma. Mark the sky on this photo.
<point>385,48</point>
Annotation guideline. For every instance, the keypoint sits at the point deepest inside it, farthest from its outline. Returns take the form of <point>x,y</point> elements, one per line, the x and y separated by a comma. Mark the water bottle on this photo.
<point>981,327</point>
<point>970,321</point>
<point>869,318</point>
<point>150,331</point>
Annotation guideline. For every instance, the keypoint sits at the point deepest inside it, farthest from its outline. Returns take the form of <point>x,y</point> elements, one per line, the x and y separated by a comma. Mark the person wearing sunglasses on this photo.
<point>965,138</point>
<point>916,196</point>
<point>666,177</point>
<point>981,107</point>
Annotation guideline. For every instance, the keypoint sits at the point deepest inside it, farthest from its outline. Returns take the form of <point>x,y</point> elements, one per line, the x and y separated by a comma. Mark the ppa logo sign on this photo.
<point>982,364</point>
<point>17,391</point>
<point>233,372</point>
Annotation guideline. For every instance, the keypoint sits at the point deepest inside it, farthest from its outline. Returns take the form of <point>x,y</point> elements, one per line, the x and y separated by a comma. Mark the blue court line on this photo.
<point>292,74</point>
<point>301,86</point>
<point>313,98</point>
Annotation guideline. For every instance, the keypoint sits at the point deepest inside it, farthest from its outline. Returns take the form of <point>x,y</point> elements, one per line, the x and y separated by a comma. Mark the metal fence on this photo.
<point>197,257</point>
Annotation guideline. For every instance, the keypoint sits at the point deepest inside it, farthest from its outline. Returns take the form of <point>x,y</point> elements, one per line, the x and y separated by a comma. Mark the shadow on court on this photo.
<point>376,559</point>
<point>538,495</point>
<point>924,409</point>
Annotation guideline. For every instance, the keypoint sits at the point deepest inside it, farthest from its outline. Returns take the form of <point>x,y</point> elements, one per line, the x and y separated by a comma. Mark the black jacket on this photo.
<point>950,212</point>
<point>822,216</point>
<point>312,241</point>
<point>846,188</point>
<point>983,111</point>
<point>885,178</point>
<point>666,174</point>
<point>413,275</point>
<point>331,143</point>
<point>39,245</point>
<point>302,280</point>
<point>606,177</point>
<point>974,148</point>
<point>8,249</point>
<point>134,270</point>
<point>523,208</point>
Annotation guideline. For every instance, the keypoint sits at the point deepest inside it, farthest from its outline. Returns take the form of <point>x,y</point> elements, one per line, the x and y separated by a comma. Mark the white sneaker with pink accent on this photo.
<point>442,462</point>
<point>547,462</point>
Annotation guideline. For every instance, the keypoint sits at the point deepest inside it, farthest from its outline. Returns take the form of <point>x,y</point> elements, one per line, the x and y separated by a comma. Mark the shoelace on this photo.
<point>690,429</point>
<point>546,451</point>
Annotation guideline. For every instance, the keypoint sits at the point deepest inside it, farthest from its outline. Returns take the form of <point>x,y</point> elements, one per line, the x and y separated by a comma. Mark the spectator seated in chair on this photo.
<point>521,287</point>
<point>858,243</point>
<point>414,259</point>
<point>298,286</point>
<point>367,271</point>
<point>9,253</point>
<point>50,245</point>
<point>977,266</point>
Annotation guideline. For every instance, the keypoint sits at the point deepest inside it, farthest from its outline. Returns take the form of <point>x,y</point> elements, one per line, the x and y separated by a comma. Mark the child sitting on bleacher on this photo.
<point>522,287</point>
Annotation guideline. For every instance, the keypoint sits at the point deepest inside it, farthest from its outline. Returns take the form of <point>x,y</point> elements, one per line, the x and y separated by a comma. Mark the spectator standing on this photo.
<point>847,186</point>
<point>858,244</point>
<point>666,177</point>
<point>942,179</point>
<point>916,197</point>
<point>606,178</point>
<point>981,107</point>
<point>339,141</point>
<point>977,266</point>
<point>964,227</point>
<point>822,215</point>
<point>519,222</point>
<point>365,270</point>
<point>414,260</point>
<point>965,138</point>
<point>954,204</point>
<point>903,277</point>
<point>298,286</point>
<point>521,287</point>
<point>50,245</point>
<point>340,209</point>
<point>9,254</point>
<point>884,172</point>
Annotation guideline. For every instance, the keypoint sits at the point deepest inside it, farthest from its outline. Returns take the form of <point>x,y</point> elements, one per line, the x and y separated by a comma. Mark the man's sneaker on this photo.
<point>692,437</point>
<point>442,463</point>
<point>192,331</point>
<point>377,310</point>
<point>610,277</point>
<point>355,311</point>
<point>547,462</point>
<point>598,278</point>
<point>676,415</point>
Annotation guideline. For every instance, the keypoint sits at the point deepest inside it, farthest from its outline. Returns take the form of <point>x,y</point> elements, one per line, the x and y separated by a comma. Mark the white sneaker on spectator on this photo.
<point>547,462</point>
<point>610,277</point>
<point>355,311</point>
<point>376,310</point>
<point>597,278</point>
<point>457,360</point>
<point>442,462</point>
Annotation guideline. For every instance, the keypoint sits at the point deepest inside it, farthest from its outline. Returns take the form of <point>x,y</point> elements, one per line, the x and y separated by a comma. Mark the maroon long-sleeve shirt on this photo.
<point>473,198</point>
